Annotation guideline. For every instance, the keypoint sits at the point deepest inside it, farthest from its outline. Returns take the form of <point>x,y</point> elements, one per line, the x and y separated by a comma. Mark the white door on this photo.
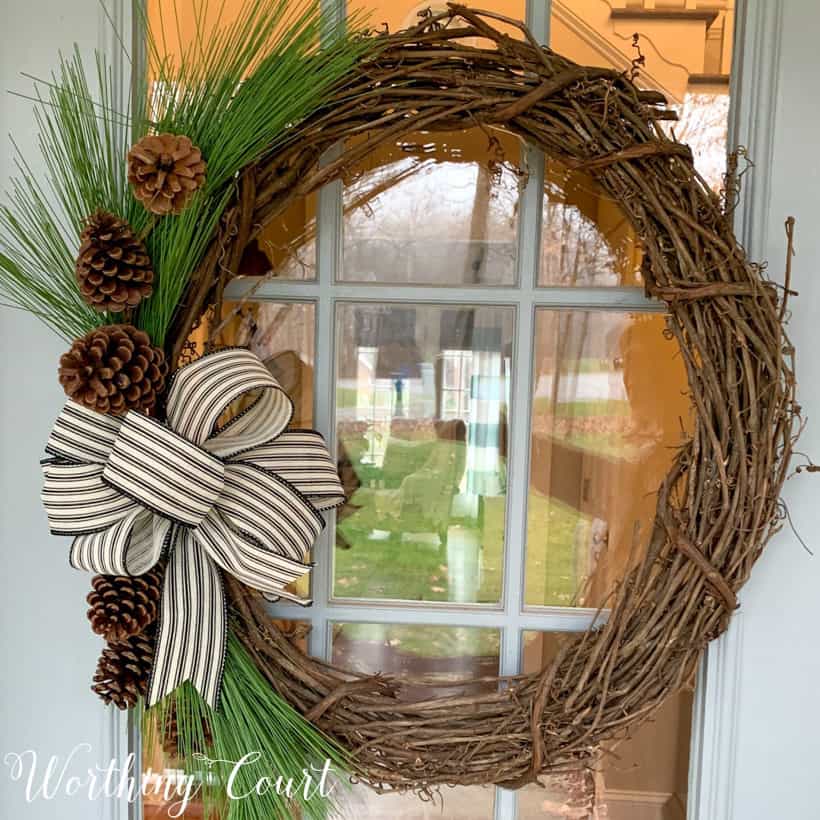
<point>48,652</point>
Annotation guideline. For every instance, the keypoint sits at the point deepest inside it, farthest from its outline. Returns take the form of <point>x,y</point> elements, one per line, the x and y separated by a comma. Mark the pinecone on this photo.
<point>123,606</point>
<point>170,735</point>
<point>124,671</point>
<point>113,268</point>
<point>165,171</point>
<point>113,369</point>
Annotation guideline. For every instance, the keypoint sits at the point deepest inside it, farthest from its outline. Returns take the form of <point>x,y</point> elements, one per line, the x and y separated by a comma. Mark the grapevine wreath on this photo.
<point>716,509</point>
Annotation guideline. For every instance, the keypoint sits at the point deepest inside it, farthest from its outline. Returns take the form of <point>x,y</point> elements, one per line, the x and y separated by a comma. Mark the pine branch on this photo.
<point>252,718</point>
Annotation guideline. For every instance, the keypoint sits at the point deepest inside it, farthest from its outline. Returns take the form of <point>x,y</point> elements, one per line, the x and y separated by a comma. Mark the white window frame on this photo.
<point>753,105</point>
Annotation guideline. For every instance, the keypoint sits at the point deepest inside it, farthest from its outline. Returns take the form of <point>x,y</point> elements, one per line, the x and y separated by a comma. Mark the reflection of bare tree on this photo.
<point>702,124</point>
<point>433,212</point>
<point>478,226</point>
<point>573,249</point>
<point>587,239</point>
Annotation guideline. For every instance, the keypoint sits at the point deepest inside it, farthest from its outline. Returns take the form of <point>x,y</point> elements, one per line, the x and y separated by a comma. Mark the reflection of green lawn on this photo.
<point>425,640</point>
<point>409,570</point>
<point>413,571</point>
<point>554,568</point>
<point>578,409</point>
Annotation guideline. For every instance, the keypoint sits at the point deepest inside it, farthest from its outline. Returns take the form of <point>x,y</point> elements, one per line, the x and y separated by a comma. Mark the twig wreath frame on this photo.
<point>717,507</point>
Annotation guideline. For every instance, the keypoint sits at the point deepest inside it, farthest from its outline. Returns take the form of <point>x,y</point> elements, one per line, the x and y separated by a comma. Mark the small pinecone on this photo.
<point>165,171</point>
<point>122,606</point>
<point>124,671</point>
<point>170,735</point>
<point>113,267</point>
<point>113,369</point>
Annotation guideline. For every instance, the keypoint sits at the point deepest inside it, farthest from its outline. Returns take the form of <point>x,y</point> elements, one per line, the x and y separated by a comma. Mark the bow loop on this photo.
<point>169,475</point>
<point>203,391</point>
<point>244,498</point>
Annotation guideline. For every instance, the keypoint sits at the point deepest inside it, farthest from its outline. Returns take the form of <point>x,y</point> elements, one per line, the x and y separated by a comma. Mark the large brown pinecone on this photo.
<point>122,606</point>
<point>113,267</point>
<point>165,171</point>
<point>113,369</point>
<point>124,671</point>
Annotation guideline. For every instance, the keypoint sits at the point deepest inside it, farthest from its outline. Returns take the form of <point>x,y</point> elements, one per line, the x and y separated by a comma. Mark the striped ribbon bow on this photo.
<point>244,497</point>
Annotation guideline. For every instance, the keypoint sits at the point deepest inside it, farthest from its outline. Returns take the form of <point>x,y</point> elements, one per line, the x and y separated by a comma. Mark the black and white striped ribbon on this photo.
<point>242,497</point>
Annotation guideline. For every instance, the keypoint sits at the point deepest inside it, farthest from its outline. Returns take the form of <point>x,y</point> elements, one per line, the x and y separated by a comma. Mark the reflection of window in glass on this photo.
<point>283,335</point>
<point>455,383</point>
<point>702,124</point>
<point>435,208</point>
<point>688,50</point>
<point>422,396</point>
<point>435,662</point>
<point>642,776</point>
<point>609,408</point>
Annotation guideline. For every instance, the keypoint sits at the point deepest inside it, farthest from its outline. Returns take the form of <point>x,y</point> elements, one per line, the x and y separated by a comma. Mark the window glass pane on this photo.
<point>395,15</point>
<point>586,238</point>
<point>283,335</point>
<point>643,776</point>
<point>286,246</point>
<point>688,49</point>
<point>437,658</point>
<point>422,398</point>
<point>609,409</point>
<point>434,208</point>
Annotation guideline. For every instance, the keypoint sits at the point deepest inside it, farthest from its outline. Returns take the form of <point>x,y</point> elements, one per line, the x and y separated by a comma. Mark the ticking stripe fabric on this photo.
<point>244,497</point>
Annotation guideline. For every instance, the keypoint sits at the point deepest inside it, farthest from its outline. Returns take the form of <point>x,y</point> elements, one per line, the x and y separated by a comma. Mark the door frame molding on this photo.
<point>754,88</point>
<point>754,91</point>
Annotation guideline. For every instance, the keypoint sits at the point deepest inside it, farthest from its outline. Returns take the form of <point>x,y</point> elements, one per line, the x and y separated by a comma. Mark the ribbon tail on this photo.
<point>193,625</point>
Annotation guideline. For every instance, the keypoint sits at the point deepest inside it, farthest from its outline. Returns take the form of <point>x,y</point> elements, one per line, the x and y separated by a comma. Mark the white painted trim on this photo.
<point>120,736</point>
<point>713,758</point>
<point>754,90</point>
<point>754,110</point>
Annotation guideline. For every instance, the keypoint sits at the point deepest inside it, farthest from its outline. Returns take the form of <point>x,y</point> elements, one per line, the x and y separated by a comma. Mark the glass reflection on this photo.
<point>435,208</point>
<point>422,397</point>
<point>609,409</point>
<point>433,661</point>
<point>286,246</point>
<point>688,50</point>
<point>586,238</point>
<point>641,776</point>
<point>283,335</point>
<point>438,659</point>
<point>396,15</point>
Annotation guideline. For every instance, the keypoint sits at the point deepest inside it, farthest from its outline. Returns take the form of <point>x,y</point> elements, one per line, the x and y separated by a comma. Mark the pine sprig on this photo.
<point>252,717</point>
<point>236,89</point>
<point>44,214</point>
